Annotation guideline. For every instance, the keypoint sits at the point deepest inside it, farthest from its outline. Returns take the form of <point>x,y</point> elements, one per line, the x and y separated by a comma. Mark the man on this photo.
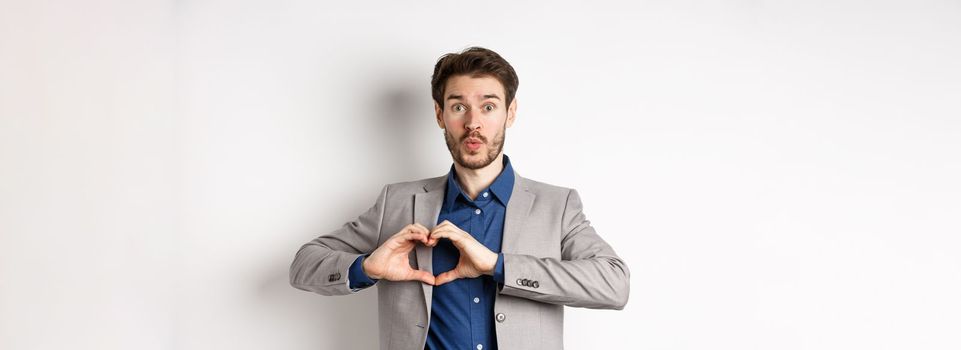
<point>480,258</point>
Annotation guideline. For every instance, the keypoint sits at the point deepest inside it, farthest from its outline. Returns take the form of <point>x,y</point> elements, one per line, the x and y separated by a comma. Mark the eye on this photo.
<point>489,107</point>
<point>459,108</point>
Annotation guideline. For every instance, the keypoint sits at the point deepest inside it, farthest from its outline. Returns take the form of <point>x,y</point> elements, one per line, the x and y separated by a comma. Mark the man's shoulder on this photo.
<point>544,191</point>
<point>416,186</point>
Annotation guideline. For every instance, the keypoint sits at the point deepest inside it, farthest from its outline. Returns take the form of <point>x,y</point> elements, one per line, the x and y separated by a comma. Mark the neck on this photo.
<point>472,181</point>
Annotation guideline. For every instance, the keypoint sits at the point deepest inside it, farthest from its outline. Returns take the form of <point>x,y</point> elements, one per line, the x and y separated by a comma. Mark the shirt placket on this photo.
<point>476,284</point>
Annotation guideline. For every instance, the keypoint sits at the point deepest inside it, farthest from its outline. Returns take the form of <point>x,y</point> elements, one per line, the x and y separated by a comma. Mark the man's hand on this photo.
<point>390,261</point>
<point>475,258</point>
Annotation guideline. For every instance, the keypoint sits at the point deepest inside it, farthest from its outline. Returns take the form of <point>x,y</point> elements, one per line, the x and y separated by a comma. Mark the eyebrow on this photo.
<point>459,97</point>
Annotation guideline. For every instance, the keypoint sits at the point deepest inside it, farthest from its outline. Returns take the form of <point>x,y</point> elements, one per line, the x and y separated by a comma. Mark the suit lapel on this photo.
<point>427,207</point>
<point>518,208</point>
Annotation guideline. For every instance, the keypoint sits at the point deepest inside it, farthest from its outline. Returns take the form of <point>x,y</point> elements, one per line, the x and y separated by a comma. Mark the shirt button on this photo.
<point>477,211</point>
<point>476,300</point>
<point>485,194</point>
<point>479,347</point>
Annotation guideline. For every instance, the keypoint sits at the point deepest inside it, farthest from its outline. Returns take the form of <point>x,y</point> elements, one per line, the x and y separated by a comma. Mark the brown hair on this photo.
<point>476,62</point>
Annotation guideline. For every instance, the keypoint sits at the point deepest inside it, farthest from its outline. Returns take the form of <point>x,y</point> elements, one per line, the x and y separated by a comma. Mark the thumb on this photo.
<point>446,277</point>
<point>423,276</point>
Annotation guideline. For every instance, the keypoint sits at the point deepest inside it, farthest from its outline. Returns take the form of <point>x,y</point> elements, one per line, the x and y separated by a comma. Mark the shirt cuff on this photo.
<point>499,269</point>
<point>356,278</point>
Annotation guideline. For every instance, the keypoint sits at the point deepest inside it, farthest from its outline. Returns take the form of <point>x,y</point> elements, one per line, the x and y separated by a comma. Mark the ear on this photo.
<point>439,114</point>
<point>512,112</point>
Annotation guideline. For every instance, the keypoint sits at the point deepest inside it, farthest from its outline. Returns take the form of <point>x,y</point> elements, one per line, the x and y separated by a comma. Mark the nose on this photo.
<point>471,123</point>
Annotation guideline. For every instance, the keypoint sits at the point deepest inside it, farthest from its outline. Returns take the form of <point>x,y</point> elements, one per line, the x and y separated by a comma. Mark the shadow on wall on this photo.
<point>394,122</point>
<point>400,128</point>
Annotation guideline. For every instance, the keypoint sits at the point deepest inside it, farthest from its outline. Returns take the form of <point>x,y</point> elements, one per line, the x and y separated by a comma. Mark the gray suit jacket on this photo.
<point>552,257</point>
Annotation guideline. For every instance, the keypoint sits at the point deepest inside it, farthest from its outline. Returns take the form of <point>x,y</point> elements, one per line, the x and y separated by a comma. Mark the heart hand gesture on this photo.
<point>475,258</point>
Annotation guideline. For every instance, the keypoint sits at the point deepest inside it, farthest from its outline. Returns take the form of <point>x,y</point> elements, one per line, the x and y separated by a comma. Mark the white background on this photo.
<point>777,175</point>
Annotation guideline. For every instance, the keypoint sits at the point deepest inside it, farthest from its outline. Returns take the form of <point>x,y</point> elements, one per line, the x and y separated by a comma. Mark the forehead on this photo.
<point>473,87</point>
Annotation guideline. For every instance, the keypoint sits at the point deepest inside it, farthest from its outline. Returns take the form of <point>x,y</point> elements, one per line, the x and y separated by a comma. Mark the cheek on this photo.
<point>453,123</point>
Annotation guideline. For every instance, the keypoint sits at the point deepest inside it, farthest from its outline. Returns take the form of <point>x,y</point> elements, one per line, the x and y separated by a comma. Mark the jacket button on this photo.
<point>534,284</point>
<point>500,317</point>
<point>520,282</point>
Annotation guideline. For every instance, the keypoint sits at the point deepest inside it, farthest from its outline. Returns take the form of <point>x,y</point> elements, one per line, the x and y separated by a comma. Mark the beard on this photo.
<point>458,150</point>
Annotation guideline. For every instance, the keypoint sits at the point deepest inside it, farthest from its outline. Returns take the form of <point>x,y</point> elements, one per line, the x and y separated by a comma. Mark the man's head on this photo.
<point>474,103</point>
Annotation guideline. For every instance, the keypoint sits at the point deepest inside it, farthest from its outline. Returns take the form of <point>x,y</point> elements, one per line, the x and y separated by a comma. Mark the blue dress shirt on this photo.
<point>462,311</point>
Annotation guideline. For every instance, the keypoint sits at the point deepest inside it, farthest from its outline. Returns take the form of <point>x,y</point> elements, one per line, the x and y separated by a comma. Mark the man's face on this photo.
<point>474,118</point>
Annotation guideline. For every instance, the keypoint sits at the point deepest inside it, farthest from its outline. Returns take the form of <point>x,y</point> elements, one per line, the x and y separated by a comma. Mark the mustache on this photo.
<point>475,135</point>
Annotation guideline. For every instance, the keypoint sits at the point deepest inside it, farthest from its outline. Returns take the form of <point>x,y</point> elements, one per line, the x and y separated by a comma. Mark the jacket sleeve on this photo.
<point>322,265</point>
<point>589,273</point>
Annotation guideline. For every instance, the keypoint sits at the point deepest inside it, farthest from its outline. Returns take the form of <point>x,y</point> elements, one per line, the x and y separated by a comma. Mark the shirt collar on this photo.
<point>502,187</point>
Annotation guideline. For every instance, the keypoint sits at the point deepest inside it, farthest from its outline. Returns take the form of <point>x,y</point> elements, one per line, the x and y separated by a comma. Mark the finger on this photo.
<point>437,234</point>
<point>447,225</point>
<point>446,277</point>
<point>453,235</point>
<point>451,225</point>
<point>425,231</point>
<point>413,236</point>
<point>431,238</point>
<point>422,228</point>
<point>404,231</point>
<point>418,236</point>
<point>443,224</point>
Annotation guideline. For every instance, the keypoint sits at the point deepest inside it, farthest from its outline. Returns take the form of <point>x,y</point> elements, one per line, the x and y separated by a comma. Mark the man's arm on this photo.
<point>323,264</point>
<point>589,273</point>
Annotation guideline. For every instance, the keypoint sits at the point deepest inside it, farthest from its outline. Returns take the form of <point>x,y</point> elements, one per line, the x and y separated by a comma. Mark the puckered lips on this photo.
<point>473,144</point>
